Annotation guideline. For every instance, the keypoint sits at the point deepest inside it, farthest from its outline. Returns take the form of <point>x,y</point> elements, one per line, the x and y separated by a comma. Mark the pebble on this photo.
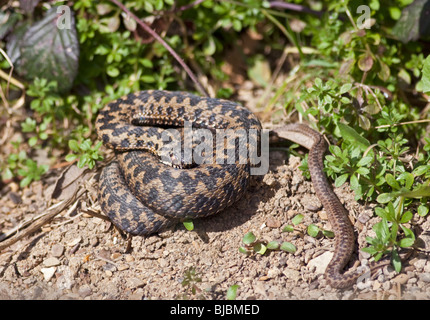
<point>94,241</point>
<point>401,278</point>
<point>48,273</point>
<point>57,250</point>
<point>321,262</point>
<point>15,197</point>
<point>424,277</point>
<point>51,262</point>
<point>84,291</point>
<point>116,255</point>
<point>291,274</point>
<point>312,207</point>
<point>74,242</point>
<point>273,223</point>
<point>322,215</point>
<point>123,267</point>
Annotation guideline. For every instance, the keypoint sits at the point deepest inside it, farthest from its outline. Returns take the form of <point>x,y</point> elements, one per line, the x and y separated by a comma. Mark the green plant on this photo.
<point>252,244</point>
<point>190,281</point>
<point>232,292</point>
<point>87,153</point>
<point>373,129</point>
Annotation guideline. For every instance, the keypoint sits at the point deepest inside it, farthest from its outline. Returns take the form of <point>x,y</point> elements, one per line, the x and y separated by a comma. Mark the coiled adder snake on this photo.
<point>141,195</point>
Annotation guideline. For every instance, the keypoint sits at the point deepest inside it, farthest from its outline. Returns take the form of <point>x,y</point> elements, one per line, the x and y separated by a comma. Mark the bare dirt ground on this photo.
<point>78,256</point>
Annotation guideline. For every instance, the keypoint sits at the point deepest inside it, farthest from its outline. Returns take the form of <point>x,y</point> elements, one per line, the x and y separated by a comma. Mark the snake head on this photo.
<point>176,160</point>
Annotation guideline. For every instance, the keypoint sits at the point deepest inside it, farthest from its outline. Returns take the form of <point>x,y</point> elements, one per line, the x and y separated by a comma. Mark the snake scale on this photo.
<point>142,195</point>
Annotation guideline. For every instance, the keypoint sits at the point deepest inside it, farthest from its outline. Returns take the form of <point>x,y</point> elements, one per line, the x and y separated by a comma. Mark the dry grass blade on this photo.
<point>43,219</point>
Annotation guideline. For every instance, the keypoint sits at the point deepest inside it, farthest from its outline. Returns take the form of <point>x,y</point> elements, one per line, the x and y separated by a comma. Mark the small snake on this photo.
<point>141,195</point>
<point>336,213</point>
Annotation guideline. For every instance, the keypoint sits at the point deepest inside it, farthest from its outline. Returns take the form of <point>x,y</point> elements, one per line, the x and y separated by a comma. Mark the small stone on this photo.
<point>84,291</point>
<point>322,215</point>
<point>312,207</point>
<point>122,267</point>
<point>48,273</point>
<point>424,277</point>
<point>74,242</point>
<point>376,285</point>
<point>116,255</point>
<point>273,273</point>
<point>51,262</point>
<point>57,250</point>
<point>291,274</point>
<point>401,278</point>
<point>135,282</point>
<point>15,197</point>
<point>94,241</point>
<point>273,223</point>
<point>321,262</point>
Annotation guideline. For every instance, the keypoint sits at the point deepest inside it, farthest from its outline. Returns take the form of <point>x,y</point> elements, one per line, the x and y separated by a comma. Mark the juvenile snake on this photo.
<point>141,195</point>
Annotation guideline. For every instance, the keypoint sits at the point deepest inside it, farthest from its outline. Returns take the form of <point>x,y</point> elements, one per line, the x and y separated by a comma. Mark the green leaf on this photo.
<point>418,171</point>
<point>25,182</point>
<point>426,75</point>
<point>85,145</point>
<point>188,224</point>
<point>392,182</point>
<point>259,72</point>
<point>423,210</point>
<point>350,135</point>
<point>71,157</point>
<point>7,174</point>
<point>313,230</point>
<point>385,197</point>
<point>112,71</point>
<point>244,250</point>
<point>32,141</point>
<point>50,49</point>
<point>362,170</point>
<point>288,246</point>
<point>345,88</point>
<point>249,238</point>
<point>422,191</point>
<point>260,248</point>
<point>297,219</point>
<point>340,180</point>
<point>73,145</point>
<point>147,79</point>
<point>209,46</point>
<point>354,182</point>
<point>232,292</point>
<point>288,228</point>
<point>406,217</point>
<point>381,212</point>
<point>396,261</point>
<point>328,233</point>
<point>364,161</point>
<point>273,245</point>
<point>82,161</point>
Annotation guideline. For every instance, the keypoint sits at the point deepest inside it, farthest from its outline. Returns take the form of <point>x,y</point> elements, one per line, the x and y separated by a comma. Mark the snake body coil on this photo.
<point>138,192</point>
<point>141,195</point>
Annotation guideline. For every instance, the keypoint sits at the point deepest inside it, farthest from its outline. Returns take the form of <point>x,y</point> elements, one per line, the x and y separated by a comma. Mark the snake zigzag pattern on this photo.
<point>141,195</point>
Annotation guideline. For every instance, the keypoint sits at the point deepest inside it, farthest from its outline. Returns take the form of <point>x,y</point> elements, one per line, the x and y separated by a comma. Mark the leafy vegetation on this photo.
<point>361,80</point>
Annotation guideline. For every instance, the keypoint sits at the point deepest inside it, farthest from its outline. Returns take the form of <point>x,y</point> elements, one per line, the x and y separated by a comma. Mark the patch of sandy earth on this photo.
<point>77,256</point>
